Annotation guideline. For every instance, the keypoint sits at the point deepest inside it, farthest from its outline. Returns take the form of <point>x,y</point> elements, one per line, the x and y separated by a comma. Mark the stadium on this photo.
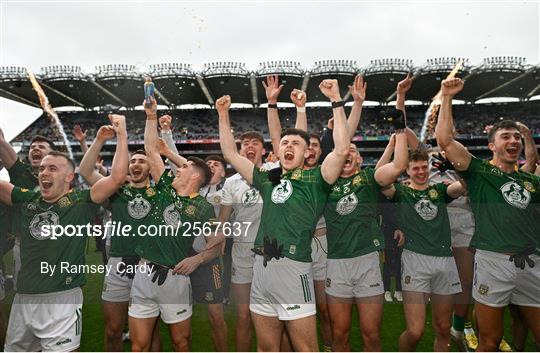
<point>500,88</point>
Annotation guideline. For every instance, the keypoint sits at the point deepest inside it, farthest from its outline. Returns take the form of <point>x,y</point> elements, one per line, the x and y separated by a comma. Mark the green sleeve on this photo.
<point>17,169</point>
<point>473,167</point>
<point>164,180</point>
<point>259,177</point>
<point>20,195</point>
<point>443,190</point>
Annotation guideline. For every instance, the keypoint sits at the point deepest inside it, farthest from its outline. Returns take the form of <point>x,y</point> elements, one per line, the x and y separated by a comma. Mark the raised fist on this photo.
<point>298,97</point>
<point>118,123</point>
<point>223,104</point>
<point>451,86</point>
<point>522,128</point>
<point>358,89</point>
<point>106,132</point>
<point>165,122</point>
<point>272,88</point>
<point>330,89</point>
<point>404,85</point>
<point>152,108</point>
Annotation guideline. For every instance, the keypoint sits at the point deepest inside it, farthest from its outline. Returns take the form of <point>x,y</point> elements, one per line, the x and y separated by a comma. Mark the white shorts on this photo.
<point>356,277</point>
<point>172,299</point>
<point>242,263</point>
<point>45,322</point>
<point>461,227</point>
<point>16,261</point>
<point>429,274</point>
<point>116,288</point>
<point>283,289</point>
<point>319,250</point>
<point>498,282</point>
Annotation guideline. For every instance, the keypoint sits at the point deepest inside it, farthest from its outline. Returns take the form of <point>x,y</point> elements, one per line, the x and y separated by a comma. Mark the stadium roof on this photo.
<point>178,84</point>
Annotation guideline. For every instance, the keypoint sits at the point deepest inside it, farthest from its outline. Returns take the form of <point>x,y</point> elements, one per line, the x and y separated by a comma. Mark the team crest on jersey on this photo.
<point>31,206</point>
<point>426,209</point>
<point>46,218</point>
<point>347,204</point>
<point>171,215</point>
<point>357,180</point>
<point>250,197</point>
<point>282,192</point>
<point>127,192</point>
<point>150,192</point>
<point>138,207</point>
<point>64,202</point>
<point>24,190</point>
<point>217,199</point>
<point>296,174</point>
<point>516,195</point>
<point>190,210</point>
<point>433,194</point>
<point>529,186</point>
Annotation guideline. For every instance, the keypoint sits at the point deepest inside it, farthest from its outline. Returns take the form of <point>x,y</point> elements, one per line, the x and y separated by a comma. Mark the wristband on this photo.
<point>272,105</point>
<point>338,104</point>
<point>301,109</point>
<point>398,120</point>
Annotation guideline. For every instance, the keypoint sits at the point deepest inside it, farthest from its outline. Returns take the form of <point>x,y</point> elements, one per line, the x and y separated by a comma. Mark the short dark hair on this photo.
<point>139,151</point>
<point>298,132</point>
<point>418,155</point>
<point>216,158</point>
<point>40,138</point>
<point>203,168</point>
<point>55,153</point>
<point>252,135</point>
<point>315,136</point>
<point>503,124</point>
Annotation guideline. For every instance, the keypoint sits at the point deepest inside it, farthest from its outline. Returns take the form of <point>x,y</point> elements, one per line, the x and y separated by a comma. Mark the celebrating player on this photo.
<point>503,201</point>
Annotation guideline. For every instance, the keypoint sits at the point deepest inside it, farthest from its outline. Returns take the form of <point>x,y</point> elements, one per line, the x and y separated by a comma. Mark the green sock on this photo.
<point>468,324</point>
<point>326,348</point>
<point>458,323</point>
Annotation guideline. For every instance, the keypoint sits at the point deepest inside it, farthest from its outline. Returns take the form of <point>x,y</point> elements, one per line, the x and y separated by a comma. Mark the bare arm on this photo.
<point>531,154</point>
<point>165,122</point>
<point>272,90</point>
<point>387,174</point>
<point>456,153</point>
<point>5,192</point>
<point>7,153</point>
<point>358,92</point>
<point>157,167</point>
<point>388,152</point>
<point>333,163</point>
<point>87,167</point>
<point>81,137</point>
<point>107,186</point>
<point>226,140</point>
<point>174,158</point>
<point>299,98</point>
<point>456,189</point>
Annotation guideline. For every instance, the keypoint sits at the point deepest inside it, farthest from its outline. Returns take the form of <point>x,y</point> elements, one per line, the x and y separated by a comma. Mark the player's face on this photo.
<point>252,149</point>
<point>38,150</point>
<point>184,174</point>
<point>55,176</point>
<point>218,171</point>
<point>352,163</point>
<point>419,172</point>
<point>292,152</point>
<point>315,152</point>
<point>507,145</point>
<point>139,170</point>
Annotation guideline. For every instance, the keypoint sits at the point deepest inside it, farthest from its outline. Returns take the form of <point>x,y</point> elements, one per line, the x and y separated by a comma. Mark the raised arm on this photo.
<point>531,154</point>
<point>272,90</point>
<point>8,156</point>
<point>333,163</point>
<point>403,87</point>
<point>358,92</point>
<point>165,123</point>
<point>456,153</point>
<point>387,174</point>
<point>107,186</point>
<point>87,168</point>
<point>299,98</point>
<point>5,192</point>
<point>81,137</point>
<point>226,140</point>
<point>175,160</point>
<point>388,152</point>
<point>157,167</point>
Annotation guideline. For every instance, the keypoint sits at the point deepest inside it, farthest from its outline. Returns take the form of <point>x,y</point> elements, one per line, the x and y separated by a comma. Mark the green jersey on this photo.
<point>291,209</point>
<point>172,224</point>
<point>351,216</point>
<point>129,205</point>
<point>21,174</point>
<point>504,208</point>
<point>37,248</point>
<point>423,218</point>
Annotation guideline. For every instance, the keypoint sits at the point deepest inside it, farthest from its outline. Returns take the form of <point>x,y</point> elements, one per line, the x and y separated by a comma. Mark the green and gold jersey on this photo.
<point>351,216</point>
<point>129,205</point>
<point>172,224</point>
<point>423,218</point>
<point>22,175</point>
<point>504,208</point>
<point>291,209</point>
<point>39,249</point>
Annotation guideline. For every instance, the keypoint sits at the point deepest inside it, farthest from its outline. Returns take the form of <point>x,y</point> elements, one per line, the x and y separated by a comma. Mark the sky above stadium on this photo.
<point>89,33</point>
